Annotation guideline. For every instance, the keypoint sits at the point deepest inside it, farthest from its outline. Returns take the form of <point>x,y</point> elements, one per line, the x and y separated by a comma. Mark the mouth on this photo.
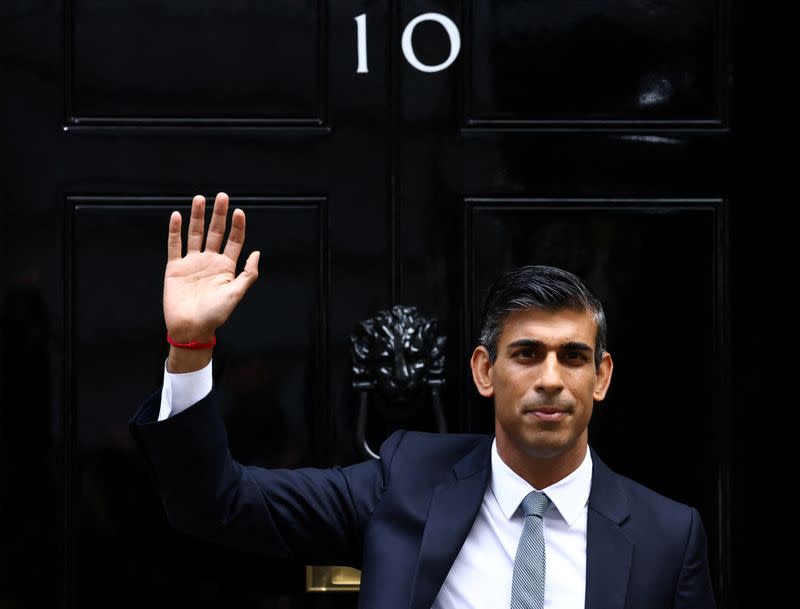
<point>546,413</point>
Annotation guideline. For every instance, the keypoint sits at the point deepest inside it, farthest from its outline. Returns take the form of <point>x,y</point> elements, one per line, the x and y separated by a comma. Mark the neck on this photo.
<point>538,470</point>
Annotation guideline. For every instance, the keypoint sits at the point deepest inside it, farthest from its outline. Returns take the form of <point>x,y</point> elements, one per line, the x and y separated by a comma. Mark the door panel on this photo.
<point>146,62</point>
<point>658,296</point>
<point>270,372</point>
<point>270,353</point>
<point>544,63</point>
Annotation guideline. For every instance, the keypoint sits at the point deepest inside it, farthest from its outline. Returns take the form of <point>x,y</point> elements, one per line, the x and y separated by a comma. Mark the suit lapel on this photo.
<point>609,552</point>
<point>454,506</point>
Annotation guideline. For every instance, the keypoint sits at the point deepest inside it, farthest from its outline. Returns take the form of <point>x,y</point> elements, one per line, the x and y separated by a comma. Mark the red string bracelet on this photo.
<point>192,344</point>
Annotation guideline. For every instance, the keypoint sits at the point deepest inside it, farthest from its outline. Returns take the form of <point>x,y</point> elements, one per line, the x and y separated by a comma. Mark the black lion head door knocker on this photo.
<point>398,369</point>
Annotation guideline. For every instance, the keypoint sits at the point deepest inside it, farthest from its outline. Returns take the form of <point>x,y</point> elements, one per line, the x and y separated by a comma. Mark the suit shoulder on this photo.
<point>422,453</point>
<point>422,443</point>
<point>654,510</point>
<point>451,439</point>
<point>646,495</point>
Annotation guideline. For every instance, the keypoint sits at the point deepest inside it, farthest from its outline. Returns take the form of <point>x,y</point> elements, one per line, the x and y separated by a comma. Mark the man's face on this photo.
<point>544,383</point>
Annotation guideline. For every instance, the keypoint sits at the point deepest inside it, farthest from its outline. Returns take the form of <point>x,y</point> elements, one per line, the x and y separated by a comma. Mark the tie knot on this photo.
<point>535,503</point>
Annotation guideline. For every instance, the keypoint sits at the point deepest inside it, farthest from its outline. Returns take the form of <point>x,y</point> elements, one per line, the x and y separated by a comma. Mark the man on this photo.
<point>529,518</point>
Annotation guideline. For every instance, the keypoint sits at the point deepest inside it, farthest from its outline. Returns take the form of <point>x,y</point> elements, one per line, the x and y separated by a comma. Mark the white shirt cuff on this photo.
<point>180,391</point>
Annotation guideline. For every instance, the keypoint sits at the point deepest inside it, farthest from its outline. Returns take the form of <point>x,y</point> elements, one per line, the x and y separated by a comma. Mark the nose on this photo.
<point>549,379</point>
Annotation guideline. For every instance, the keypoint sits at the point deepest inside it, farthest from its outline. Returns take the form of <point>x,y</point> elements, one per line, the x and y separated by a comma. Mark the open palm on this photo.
<point>201,289</point>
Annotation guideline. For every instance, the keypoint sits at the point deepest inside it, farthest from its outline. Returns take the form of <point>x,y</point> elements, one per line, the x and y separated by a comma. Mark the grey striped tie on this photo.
<point>527,586</point>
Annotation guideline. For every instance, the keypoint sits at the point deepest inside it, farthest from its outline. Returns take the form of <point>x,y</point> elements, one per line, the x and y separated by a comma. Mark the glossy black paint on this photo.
<point>139,62</point>
<point>595,63</point>
<point>610,137</point>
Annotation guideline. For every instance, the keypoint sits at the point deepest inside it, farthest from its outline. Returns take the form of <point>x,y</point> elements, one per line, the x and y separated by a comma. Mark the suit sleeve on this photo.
<point>694,589</point>
<point>314,515</point>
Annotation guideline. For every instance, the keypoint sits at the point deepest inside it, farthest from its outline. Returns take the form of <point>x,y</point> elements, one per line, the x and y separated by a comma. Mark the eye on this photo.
<point>575,357</point>
<point>525,353</point>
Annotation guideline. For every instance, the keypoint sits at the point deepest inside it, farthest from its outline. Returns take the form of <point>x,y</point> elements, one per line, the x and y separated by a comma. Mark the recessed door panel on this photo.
<point>170,62</point>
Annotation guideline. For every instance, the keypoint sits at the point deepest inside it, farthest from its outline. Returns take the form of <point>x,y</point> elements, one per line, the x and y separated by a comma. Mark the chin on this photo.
<point>548,443</point>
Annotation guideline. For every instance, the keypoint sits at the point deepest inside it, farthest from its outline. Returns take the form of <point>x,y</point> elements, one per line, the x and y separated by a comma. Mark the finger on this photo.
<point>216,229</point>
<point>174,237</point>
<point>236,238</point>
<point>194,238</point>
<point>248,275</point>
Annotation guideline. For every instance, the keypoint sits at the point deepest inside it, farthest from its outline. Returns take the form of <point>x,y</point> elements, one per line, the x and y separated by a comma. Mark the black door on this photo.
<point>385,153</point>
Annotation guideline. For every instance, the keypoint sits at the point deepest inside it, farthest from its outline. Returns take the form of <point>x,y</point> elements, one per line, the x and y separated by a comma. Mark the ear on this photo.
<point>482,371</point>
<point>603,379</point>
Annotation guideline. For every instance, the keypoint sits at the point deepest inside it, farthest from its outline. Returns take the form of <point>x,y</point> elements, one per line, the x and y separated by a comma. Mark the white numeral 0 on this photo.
<point>407,45</point>
<point>452,33</point>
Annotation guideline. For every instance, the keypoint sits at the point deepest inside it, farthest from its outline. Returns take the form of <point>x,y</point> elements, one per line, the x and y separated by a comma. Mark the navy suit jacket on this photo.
<point>403,519</point>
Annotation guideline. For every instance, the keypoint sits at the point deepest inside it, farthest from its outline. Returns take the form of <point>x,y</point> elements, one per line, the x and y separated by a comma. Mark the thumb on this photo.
<point>249,274</point>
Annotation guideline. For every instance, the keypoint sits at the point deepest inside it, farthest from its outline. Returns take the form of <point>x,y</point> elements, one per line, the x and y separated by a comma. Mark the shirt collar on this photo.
<point>569,495</point>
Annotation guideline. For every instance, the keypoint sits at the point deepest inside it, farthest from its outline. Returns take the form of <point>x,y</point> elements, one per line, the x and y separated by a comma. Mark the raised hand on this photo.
<point>201,289</point>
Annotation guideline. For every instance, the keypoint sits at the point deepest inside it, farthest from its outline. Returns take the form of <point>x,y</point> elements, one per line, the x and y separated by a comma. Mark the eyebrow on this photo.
<point>572,345</point>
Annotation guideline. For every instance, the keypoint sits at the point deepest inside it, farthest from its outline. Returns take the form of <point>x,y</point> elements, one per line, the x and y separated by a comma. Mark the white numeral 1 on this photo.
<point>361,24</point>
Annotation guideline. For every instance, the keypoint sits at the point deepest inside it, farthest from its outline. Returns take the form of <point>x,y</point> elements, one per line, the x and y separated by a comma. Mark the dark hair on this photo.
<point>538,287</point>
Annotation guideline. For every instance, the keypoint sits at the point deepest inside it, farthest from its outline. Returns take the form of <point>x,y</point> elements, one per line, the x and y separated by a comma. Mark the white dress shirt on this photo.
<point>480,577</point>
<point>180,391</point>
